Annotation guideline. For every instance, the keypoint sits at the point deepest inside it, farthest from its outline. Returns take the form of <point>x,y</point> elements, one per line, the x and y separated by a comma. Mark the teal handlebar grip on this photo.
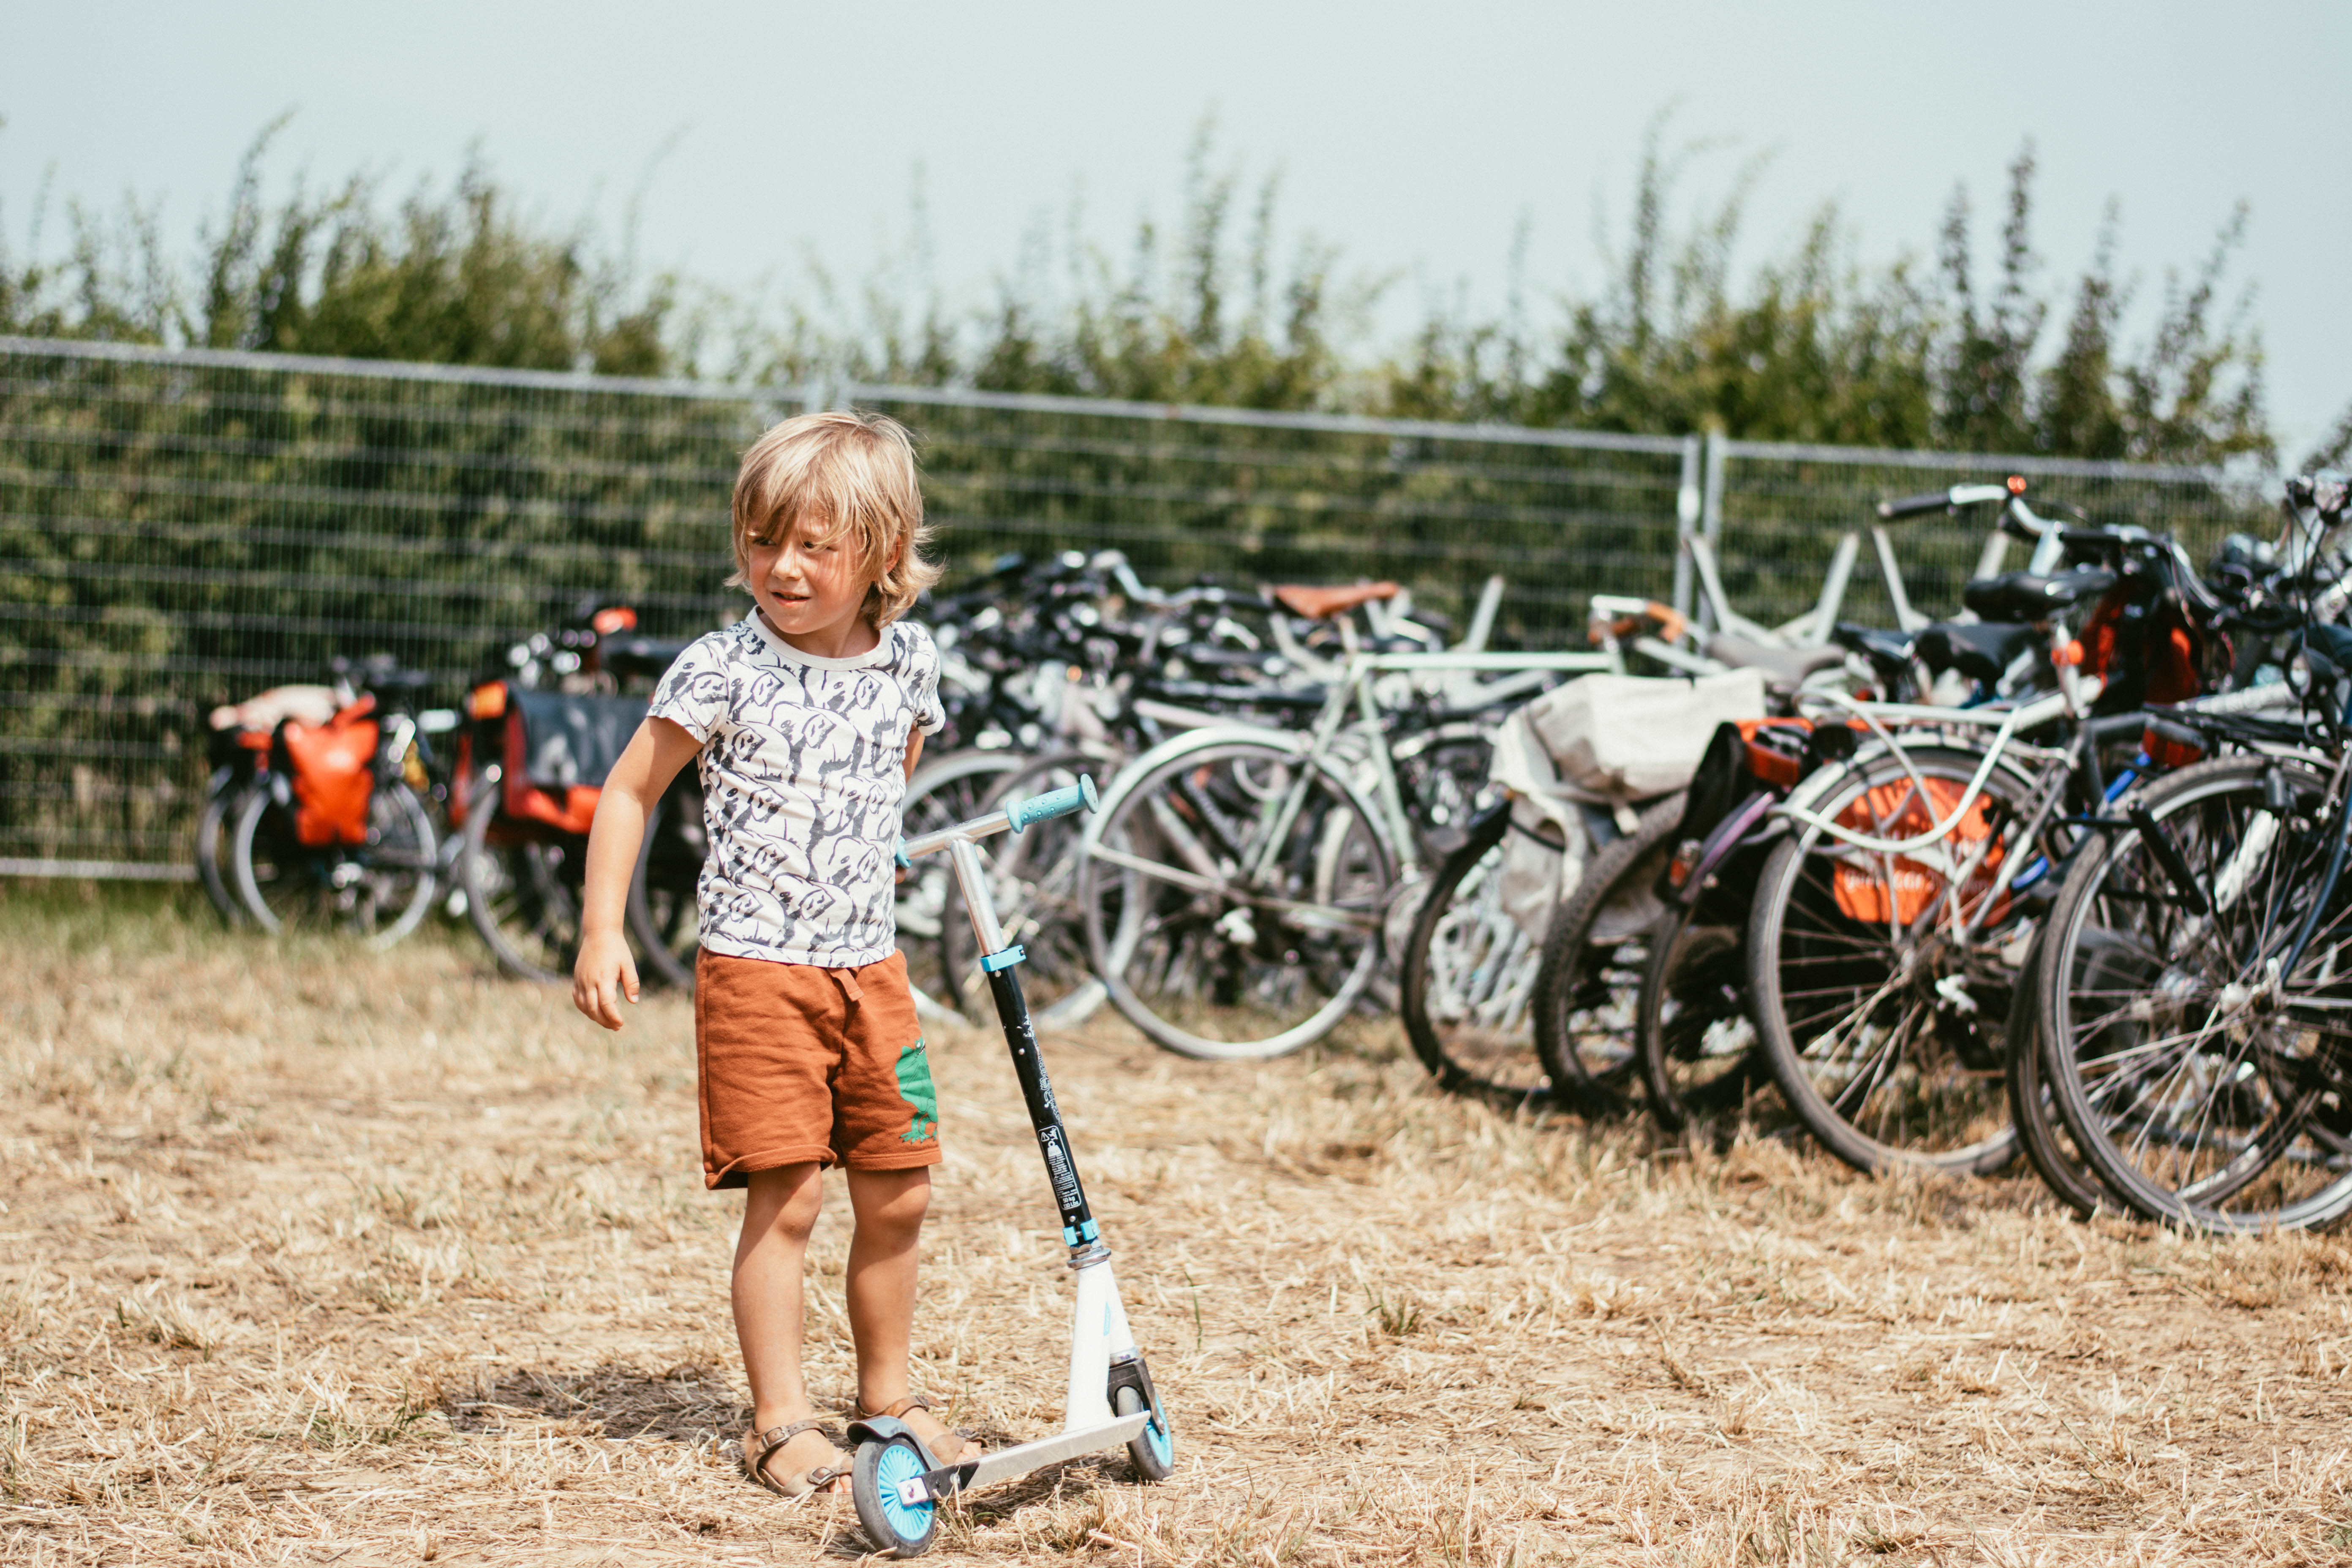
<point>1079,796</point>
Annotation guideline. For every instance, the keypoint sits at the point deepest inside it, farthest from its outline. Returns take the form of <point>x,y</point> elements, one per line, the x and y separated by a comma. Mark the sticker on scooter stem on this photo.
<point>1059,1170</point>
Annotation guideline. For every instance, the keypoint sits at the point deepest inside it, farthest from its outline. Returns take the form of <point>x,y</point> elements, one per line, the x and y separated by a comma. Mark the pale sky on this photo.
<point>1415,137</point>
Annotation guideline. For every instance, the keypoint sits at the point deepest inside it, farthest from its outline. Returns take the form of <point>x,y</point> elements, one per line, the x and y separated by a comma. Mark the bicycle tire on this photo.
<point>1034,877</point>
<point>1914,1097</point>
<point>285,884</point>
<point>1692,1033</point>
<point>1268,972</point>
<point>523,897</point>
<point>2041,1130</point>
<point>1468,978</point>
<point>216,851</point>
<point>1588,982</point>
<point>664,911</point>
<point>2239,1124</point>
<point>954,788</point>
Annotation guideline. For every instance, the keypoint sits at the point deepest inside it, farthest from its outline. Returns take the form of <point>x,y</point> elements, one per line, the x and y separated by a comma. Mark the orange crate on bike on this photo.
<point>1900,810</point>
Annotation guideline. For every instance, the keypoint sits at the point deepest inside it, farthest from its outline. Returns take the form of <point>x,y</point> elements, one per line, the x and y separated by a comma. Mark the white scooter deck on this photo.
<point>1006,1463</point>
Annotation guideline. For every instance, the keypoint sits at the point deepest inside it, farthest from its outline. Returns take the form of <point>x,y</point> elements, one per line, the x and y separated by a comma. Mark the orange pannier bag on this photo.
<point>334,774</point>
<point>1899,810</point>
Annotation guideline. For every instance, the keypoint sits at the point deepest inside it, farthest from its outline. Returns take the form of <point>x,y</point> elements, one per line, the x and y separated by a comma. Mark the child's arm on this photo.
<point>606,972</point>
<point>914,752</point>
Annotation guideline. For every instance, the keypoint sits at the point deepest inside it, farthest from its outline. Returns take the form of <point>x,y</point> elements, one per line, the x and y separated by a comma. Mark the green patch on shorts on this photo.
<point>922,1100</point>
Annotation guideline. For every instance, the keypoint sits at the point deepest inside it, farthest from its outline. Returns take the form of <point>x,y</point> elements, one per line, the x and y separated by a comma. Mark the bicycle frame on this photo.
<point>1355,689</point>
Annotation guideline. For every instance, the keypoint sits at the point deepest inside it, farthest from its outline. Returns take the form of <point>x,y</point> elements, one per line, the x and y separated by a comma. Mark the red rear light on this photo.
<point>617,618</point>
<point>487,700</point>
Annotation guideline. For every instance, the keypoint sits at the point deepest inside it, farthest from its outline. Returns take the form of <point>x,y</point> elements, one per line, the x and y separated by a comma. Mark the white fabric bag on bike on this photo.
<point>1547,844</point>
<point>1623,738</point>
<point>1606,741</point>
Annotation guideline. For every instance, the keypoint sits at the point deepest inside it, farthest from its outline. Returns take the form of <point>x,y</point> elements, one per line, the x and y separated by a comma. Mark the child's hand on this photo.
<point>604,973</point>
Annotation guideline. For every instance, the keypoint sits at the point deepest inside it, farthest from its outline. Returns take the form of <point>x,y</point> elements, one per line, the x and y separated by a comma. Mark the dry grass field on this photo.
<point>317,1257</point>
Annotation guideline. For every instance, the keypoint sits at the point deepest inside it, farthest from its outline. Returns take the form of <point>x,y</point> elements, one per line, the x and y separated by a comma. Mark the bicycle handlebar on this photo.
<point>1941,501</point>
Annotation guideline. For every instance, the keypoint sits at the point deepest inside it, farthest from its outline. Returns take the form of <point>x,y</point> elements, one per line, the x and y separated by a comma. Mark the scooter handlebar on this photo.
<point>1079,796</point>
<point>1013,816</point>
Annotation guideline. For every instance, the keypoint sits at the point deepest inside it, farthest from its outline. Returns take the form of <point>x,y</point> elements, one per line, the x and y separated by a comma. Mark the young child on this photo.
<point>805,718</point>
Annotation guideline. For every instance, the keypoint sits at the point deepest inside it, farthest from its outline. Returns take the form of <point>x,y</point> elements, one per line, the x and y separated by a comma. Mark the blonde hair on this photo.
<point>855,471</point>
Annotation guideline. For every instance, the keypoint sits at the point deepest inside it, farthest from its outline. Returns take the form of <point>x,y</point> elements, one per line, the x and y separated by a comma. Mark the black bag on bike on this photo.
<point>1749,766</point>
<point>558,748</point>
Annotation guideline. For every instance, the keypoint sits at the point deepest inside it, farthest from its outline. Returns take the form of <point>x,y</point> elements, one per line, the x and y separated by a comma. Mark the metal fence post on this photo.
<point>1711,512</point>
<point>1687,511</point>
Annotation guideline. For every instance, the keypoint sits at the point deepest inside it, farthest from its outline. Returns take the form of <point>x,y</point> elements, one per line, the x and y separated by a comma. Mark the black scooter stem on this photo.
<point>1078,1228</point>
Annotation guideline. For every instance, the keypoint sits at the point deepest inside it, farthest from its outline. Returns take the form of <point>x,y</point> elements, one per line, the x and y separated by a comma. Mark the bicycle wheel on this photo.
<point>1033,875</point>
<point>378,889</point>
<point>1594,952</point>
<point>2209,1084</point>
<point>1881,1033</point>
<point>955,788</point>
<point>217,846</point>
<point>665,923</point>
<point>1693,1035</point>
<point>1232,896</point>
<point>1469,977</point>
<point>2041,1130</point>
<point>1444,777</point>
<point>524,895</point>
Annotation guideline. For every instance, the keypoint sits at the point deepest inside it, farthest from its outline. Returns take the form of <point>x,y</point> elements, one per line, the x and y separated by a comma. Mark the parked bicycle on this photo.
<point>1237,882</point>
<point>536,760</point>
<point>2195,996</point>
<point>335,833</point>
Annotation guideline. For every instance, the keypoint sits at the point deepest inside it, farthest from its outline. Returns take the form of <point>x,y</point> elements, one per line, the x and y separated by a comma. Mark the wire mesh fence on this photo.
<point>1780,509</point>
<point>179,529</point>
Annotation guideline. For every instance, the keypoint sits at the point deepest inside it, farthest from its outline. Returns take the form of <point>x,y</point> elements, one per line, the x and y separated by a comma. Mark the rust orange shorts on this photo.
<point>799,1063</point>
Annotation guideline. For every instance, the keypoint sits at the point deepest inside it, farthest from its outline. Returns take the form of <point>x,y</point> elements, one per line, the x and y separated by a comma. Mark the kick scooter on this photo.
<point>894,1481</point>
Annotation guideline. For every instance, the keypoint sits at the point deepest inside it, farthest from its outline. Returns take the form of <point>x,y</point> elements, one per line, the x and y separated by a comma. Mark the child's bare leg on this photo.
<point>889,1206</point>
<point>780,1209</point>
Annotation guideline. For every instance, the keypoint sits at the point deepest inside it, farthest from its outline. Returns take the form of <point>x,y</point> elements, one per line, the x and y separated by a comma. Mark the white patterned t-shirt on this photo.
<point>804,771</point>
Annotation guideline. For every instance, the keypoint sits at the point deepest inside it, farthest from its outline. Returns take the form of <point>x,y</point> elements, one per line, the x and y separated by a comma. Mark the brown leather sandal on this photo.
<point>953,1448</point>
<point>769,1442</point>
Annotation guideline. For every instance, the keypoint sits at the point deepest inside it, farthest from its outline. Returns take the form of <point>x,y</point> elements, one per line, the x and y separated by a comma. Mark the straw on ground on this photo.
<point>314,1256</point>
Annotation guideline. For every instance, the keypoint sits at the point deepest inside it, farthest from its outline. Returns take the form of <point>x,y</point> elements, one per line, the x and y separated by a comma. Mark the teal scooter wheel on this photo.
<point>900,1528</point>
<point>1153,1450</point>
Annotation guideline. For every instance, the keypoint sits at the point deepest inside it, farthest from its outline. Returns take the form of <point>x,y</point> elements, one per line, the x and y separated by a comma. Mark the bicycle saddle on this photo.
<point>1980,652</point>
<point>1320,604</point>
<point>1884,650</point>
<point>1782,666</point>
<point>2023,596</point>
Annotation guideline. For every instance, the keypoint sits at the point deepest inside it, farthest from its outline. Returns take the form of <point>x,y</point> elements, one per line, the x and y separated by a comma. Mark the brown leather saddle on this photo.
<point>1321,603</point>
